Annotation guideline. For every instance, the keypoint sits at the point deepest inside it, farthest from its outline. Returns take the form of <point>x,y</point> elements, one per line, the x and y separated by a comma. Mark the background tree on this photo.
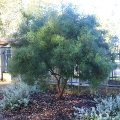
<point>62,41</point>
<point>11,16</point>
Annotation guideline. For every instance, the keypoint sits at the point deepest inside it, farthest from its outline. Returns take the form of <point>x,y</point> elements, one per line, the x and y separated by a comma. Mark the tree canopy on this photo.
<point>60,43</point>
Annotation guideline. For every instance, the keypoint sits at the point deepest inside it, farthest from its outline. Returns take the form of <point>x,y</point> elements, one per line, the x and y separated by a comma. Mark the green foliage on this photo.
<point>60,42</point>
<point>28,57</point>
<point>64,58</point>
<point>43,84</point>
<point>68,24</point>
<point>15,95</point>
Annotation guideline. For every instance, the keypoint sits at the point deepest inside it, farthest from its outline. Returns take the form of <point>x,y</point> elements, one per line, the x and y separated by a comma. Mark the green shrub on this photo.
<point>43,84</point>
<point>15,95</point>
<point>106,109</point>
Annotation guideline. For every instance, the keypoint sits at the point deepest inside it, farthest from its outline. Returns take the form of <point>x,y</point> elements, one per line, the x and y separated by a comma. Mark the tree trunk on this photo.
<point>62,90</point>
<point>58,87</point>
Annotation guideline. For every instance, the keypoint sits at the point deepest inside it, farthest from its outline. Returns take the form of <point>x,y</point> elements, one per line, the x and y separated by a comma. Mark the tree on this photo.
<point>57,45</point>
<point>11,16</point>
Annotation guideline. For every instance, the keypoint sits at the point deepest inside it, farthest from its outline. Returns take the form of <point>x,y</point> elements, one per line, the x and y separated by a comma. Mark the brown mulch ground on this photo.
<point>46,106</point>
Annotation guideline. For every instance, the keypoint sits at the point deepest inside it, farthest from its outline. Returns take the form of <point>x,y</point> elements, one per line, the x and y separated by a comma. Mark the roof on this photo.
<point>4,42</point>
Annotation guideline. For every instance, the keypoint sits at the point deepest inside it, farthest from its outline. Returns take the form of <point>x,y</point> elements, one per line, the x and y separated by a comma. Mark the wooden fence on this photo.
<point>81,89</point>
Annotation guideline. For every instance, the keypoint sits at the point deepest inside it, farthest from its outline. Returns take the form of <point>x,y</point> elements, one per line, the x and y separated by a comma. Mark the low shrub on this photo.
<point>41,83</point>
<point>106,109</point>
<point>15,95</point>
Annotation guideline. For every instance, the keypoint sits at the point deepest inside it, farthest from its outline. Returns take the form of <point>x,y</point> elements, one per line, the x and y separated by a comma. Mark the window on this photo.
<point>7,55</point>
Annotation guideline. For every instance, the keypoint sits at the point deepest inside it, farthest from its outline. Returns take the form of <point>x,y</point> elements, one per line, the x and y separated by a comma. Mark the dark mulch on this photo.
<point>46,106</point>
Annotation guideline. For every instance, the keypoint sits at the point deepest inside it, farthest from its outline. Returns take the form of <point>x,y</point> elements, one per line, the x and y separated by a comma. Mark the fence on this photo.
<point>81,90</point>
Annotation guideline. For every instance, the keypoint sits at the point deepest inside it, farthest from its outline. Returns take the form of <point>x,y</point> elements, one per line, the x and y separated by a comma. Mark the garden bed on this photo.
<point>45,106</point>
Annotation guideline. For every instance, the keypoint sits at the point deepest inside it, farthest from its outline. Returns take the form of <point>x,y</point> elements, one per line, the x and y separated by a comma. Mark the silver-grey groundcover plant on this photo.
<point>106,109</point>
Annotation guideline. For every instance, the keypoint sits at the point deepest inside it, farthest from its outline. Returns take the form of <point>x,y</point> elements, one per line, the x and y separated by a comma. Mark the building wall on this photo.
<point>2,62</point>
<point>4,59</point>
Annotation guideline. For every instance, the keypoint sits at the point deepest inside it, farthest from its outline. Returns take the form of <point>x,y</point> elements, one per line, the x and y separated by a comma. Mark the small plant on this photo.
<point>106,109</point>
<point>15,95</point>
